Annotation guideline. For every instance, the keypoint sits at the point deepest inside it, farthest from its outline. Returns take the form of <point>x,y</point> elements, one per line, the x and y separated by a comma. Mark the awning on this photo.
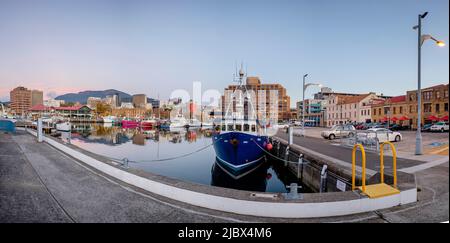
<point>404,118</point>
<point>394,119</point>
<point>444,118</point>
<point>432,118</point>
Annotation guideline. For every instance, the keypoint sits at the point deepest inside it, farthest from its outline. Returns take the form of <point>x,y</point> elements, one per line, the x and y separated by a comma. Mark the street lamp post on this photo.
<point>303,105</point>
<point>420,40</point>
<point>305,86</point>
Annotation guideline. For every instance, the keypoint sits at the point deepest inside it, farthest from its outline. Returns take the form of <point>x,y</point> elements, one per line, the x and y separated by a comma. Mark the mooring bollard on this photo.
<point>39,130</point>
<point>300,165</point>
<point>323,179</point>
<point>291,135</point>
<point>286,156</point>
<point>293,193</point>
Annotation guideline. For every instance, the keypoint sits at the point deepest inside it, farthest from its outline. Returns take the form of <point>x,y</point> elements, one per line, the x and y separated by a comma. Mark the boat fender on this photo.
<point>269,146</point>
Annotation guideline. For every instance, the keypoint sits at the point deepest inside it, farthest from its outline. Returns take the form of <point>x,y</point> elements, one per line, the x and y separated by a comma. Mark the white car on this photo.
<point>384,135</point>
<point>339,131</point>
<point>440,126</point>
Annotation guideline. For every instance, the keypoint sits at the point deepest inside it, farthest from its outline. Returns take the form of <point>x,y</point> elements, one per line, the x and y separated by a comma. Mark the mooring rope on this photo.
<point>276,157</point>
<point>126,160</point>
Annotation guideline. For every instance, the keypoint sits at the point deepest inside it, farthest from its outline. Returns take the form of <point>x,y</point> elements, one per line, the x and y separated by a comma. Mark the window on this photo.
<point>374,112</point>
<point>427,107</point>
<point>427,95</point>
<point>379,111</point>
<point>446,107</point>
<point>437,108</point>
<point>401,109</point>
<point>411,109</point>
<point>446,93</point>
<point>368,112</point>
<point>438,95</point>
<point>395,110</point>
<point>411,97</point>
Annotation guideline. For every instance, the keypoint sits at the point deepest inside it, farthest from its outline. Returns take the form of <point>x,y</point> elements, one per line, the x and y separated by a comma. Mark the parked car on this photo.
<point>385,135</point>
<point>338,131</point>
<point>426,127</point>
<point>439,127</point>
<point>397,127</point>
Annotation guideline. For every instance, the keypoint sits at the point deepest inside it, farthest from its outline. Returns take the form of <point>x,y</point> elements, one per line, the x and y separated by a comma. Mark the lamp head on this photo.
<point>423,15</point>
<point>440,43</point>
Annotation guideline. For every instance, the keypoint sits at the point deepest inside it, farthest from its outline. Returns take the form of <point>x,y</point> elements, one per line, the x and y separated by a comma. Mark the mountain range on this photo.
<point>84,95</point>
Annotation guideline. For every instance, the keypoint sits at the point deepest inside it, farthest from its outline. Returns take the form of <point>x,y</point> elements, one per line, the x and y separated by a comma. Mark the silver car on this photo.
<point>338,131</point>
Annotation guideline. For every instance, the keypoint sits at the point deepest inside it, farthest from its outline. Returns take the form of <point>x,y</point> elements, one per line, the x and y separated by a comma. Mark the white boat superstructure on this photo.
<point>178,121</point>
<point>109,119</point>
<point>64,126</point>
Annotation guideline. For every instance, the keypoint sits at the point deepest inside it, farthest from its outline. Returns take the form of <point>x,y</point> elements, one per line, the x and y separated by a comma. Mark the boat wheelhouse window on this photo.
<point>223,127</point>
<point>253,128</point>
<point>238,127</point>
<point>230,127</point>
<point>246,127</point>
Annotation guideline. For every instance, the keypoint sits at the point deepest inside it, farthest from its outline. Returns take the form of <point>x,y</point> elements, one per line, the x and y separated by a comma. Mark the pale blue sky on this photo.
<point>157,46</point>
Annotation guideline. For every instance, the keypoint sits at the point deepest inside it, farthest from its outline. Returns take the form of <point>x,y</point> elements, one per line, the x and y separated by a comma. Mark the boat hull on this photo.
<point>239,152</point>
<point>129,124</point>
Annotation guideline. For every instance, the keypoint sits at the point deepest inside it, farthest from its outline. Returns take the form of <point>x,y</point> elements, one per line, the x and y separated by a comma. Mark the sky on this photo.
<point>156,46</point>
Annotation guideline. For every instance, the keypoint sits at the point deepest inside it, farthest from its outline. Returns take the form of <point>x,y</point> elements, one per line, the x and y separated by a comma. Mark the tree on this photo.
<point>102,109</point>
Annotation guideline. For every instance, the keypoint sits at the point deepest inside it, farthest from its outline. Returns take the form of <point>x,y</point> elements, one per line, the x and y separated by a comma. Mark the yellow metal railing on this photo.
<point>363,154</point>
<point>394,162</point>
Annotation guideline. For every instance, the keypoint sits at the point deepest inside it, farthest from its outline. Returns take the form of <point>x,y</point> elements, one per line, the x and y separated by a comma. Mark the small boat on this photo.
<point>126,123</point>
<point>178,121</point>
<point>194,123</point>
<point>64,126</point>
<point>109,119</point>
<point>148,123</point>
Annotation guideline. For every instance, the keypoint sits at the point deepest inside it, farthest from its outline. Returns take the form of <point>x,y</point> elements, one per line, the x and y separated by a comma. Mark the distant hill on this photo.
<point>84,95</point>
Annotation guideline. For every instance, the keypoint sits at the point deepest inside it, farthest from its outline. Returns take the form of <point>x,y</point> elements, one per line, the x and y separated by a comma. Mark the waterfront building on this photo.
<point>93,101</point>
<point>53,102</point>
<point>403,109</point>
<point>77,111</point>
<point>130,112</point>
<point>393,110</point>
<point>139,100</point>
<point>20,98</point>
<point>37,97</point>
<point>271,100</point>
<point>315,110</point>
<point>112,100</point>
<point>343,109</point>
<point>434,104</point>
<point>127,105</point>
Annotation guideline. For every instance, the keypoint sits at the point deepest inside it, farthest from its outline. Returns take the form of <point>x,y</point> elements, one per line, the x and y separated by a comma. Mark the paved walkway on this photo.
<point>40,184</point>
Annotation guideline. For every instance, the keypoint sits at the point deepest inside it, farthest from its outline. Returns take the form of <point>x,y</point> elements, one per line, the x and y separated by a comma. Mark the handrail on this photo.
<point>394,161</point>
<point>363,154</point>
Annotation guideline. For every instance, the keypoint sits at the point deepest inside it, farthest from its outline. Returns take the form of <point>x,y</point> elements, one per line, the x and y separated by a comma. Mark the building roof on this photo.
<point>432,87</point>
<point>41,107</point>
<point>351,99</point>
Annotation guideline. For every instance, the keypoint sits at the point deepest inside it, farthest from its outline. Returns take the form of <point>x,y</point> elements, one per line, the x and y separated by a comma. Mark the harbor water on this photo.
<point>184,154</point>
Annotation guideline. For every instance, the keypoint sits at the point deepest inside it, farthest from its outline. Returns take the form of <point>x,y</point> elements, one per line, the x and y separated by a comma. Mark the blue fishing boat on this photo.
<point>240,141</point>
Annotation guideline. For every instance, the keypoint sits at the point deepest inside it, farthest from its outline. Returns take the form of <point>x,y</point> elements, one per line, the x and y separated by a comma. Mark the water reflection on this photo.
<point>146,146</point>
<point>255,181</point>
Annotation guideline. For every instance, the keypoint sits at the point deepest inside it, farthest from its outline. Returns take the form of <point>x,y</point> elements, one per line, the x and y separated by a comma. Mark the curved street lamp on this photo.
<point>305,86</point>
<point>421,40</point>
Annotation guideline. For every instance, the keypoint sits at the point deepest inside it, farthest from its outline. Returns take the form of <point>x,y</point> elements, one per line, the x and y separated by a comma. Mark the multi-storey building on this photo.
<point>343,109</point>
<point>20,98</point>
<point>315,110</point>
<point>53,102</point>
<point>139,101</point>
<point>270,100</point>
<point>434,104</point>
<point>37,97</point>
<point>403,109</point>
<point>393,110</point>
